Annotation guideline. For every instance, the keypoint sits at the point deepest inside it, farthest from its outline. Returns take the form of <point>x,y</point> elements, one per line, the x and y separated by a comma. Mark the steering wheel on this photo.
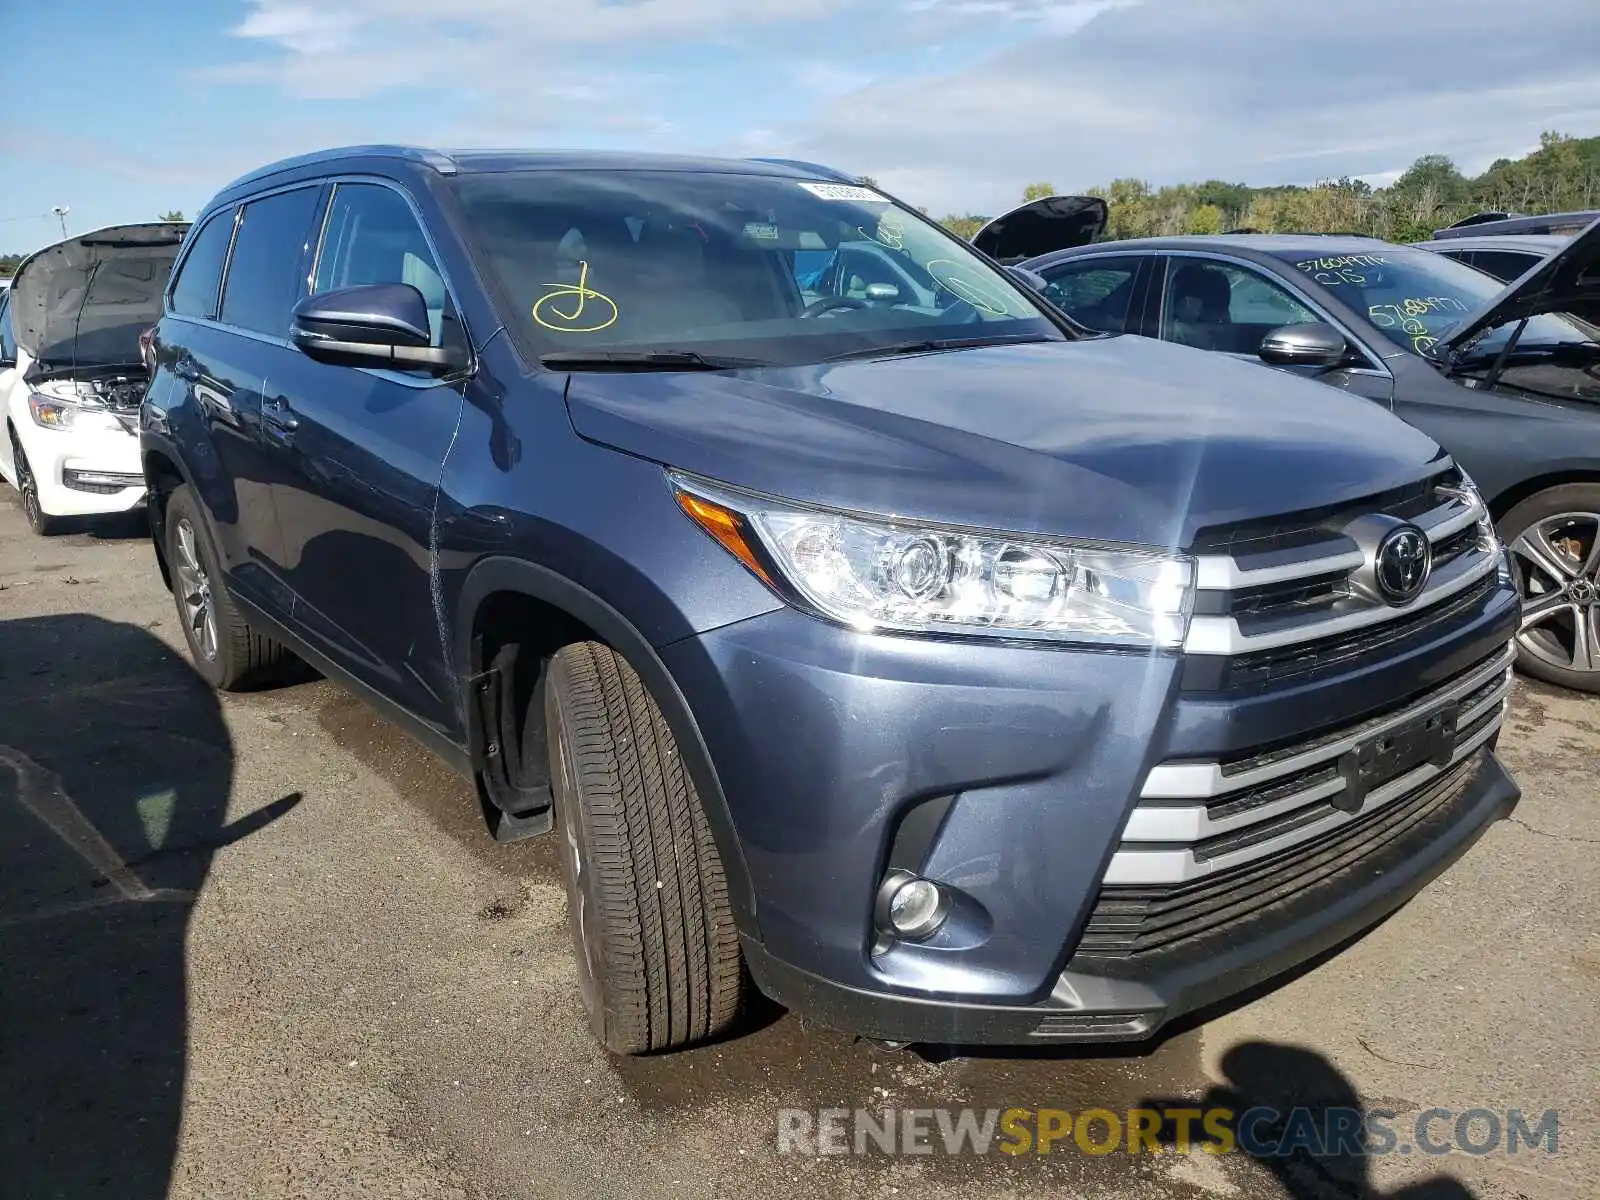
<point>829,303</point>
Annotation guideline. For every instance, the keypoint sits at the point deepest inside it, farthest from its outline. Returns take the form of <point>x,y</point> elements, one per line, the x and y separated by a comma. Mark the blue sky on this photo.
<point>124,112</point>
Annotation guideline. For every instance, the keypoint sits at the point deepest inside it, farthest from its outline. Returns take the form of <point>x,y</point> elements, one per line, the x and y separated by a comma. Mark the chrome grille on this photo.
<point>1193,818</point>
<point>1252,601</point>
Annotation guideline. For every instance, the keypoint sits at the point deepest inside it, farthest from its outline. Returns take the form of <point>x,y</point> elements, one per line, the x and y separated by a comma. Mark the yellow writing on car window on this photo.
<point>948,275</point>
<point>1342,268</point>
<point>892,231</point>
<point>1406,315</point>
<point>590,312</point>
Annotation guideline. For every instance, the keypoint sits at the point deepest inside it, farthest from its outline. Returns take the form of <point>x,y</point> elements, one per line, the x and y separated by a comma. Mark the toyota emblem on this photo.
<point>1402,563</point>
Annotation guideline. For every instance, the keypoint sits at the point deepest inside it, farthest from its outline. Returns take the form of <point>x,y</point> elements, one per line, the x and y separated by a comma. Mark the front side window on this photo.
<point>1095,292</point>
<point>195,292</point>
<point>372,236</point>
<point>1415,297</point>
<point>1214,305</point>
<point>264,277</point>
<point>767,269</point>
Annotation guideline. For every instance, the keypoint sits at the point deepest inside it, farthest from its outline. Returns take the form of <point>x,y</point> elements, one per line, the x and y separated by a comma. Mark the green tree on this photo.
<point>174,215</point>
<point>1037,191</point>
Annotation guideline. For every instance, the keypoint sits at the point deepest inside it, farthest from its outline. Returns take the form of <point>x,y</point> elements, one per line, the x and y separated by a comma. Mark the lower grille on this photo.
<point>1130,921</point>
<point>100,483</point>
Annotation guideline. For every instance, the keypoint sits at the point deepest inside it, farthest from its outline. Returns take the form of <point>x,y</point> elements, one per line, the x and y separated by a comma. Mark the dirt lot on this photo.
<point>260,947</point>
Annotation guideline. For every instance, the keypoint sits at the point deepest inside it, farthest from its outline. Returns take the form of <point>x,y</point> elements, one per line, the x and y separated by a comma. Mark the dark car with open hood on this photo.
<point>1506,377</point>
<point>944,669</point>
<point>71,374</point>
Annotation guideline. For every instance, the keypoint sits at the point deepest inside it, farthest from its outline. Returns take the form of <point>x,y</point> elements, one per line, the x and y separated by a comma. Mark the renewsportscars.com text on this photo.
<point>1260,1132</point>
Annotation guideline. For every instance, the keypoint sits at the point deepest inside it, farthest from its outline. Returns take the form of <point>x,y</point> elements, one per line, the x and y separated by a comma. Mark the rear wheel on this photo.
<point>227,653</point>
<point>28,487</point>
<point>1554,538</point>
<point>658,956</point>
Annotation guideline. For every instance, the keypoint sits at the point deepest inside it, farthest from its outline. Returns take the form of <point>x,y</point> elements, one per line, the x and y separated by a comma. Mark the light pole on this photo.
<point>61,211</point>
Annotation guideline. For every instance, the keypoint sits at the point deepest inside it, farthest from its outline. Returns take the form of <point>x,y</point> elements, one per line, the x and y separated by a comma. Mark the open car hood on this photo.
<point>1040,226</point>
<point>1566,282</point>
<point>82,302</point>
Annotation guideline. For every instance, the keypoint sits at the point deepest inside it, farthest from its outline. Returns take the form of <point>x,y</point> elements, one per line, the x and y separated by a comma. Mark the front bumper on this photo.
<point>78,473</point>
<point>1009,774</point>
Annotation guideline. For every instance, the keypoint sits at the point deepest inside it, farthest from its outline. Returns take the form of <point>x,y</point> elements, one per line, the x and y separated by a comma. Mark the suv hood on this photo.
<point>1040,226</point>
<point>1567,281</point>
<point>1118,439</point>
<point>82,302</point>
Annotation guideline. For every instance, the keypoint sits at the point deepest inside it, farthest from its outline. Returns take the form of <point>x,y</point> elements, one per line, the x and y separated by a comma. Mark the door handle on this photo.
<point>279,415</point>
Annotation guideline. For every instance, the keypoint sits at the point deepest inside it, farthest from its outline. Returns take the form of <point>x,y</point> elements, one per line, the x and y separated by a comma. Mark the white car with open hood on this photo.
<point>71,379</point>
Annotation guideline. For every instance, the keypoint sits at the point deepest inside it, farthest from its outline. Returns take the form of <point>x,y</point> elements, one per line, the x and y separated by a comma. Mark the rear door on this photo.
<point>358,454</point>
<point>218,346</point>
<point>1102,292</point>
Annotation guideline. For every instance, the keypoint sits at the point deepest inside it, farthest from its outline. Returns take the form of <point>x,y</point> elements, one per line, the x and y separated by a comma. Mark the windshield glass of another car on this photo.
<point>1415,297</point>
<point>769,269</point>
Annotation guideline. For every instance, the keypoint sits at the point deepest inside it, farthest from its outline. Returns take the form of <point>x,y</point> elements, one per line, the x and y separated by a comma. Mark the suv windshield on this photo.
<point>762,269</point>
<point>1415,297</point>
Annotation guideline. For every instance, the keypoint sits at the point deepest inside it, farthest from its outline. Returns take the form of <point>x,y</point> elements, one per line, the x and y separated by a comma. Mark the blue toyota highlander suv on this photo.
<point>945,670</point>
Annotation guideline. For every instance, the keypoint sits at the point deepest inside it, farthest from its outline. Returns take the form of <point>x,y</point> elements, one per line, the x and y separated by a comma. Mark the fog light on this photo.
<point>909,907</point>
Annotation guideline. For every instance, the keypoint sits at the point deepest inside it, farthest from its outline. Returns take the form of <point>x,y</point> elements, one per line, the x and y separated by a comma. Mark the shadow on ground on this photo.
<point>115,771</point>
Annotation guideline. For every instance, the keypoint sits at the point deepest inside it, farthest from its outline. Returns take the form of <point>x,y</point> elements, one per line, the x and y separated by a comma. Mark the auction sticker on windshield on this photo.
<point>840,191</point>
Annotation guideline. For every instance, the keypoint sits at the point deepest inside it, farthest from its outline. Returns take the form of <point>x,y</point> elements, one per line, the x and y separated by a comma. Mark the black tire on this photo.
<point>231,656</point>
<point>658,956</point>
<point>1570,514</point>
<point>28,488</point>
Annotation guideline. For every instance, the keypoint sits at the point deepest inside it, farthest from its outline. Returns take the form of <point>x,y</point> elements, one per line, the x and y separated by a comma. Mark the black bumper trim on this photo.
<point>1092,1007</point>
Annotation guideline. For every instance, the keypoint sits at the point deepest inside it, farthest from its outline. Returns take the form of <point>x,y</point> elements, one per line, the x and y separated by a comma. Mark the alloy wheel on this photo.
<point>194,587</point>
<point>1557,562</point>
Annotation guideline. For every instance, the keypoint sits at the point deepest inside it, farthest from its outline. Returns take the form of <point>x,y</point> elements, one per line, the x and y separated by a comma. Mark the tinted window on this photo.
<point>373,237</point>
<point>8,344</point>
<point>1504,265</point>
<point>1213,305</point>
<point>195,293</point>
<point>1094,292</point>
<point>773,269</point>
<point>264,279</point>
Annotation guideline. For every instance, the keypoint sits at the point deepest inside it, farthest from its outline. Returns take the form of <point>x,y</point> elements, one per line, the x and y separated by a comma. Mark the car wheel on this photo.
<point>227,653</point>
<point>28,488</point>
<point>1554,538</point>
<point>658,956</point>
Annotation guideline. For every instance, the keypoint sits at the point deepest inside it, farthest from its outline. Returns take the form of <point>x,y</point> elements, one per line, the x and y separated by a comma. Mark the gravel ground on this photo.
<point>260,946</point>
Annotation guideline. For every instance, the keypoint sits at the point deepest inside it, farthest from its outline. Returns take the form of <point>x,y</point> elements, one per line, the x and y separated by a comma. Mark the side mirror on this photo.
<point>1313,344</point>
<point>1031,280</point>
<point>373,325</point>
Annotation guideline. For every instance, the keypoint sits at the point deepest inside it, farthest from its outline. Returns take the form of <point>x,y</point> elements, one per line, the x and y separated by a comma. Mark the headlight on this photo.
<point>1488,539</point>
<point>879,573</point>
<point>54,413</point>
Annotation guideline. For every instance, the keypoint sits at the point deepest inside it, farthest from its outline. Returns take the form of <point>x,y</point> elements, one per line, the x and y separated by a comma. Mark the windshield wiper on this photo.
<point>930,345</point>
<point>644,360</point>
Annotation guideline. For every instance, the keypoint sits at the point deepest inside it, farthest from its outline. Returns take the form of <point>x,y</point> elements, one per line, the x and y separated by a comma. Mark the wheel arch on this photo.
<point>505,588</point>
<point>163,475</point>
<point>1510,497</point>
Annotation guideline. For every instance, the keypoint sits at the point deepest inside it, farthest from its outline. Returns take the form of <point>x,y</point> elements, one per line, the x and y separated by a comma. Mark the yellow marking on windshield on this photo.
<point>945,274</point>
<point>546,313</point>
<point>892,231</point>
<point>1342,268</point>
<point>1406,314</point>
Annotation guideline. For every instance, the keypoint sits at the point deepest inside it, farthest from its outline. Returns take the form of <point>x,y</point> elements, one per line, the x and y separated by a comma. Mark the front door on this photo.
<point>360,454</point>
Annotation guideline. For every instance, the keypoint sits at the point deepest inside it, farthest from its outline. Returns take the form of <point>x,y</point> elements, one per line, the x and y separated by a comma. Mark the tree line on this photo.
<point>1563,174</point>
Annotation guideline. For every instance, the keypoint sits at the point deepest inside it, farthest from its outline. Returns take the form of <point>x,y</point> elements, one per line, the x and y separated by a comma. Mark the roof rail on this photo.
<point>422,155</point>
<point>813,168</point>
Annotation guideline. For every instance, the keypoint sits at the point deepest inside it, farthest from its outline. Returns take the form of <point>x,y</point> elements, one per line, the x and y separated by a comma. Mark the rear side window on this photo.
<point>195,292</point>
<point>1503,264</point>
<point>1094,292</point>
<point>264,277</point>
<point>373,237</point>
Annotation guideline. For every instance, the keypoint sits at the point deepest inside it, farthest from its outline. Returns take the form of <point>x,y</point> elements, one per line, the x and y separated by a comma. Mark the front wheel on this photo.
<point>1554,539</point>
<point>659,965</point>
<point>28,488</point>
